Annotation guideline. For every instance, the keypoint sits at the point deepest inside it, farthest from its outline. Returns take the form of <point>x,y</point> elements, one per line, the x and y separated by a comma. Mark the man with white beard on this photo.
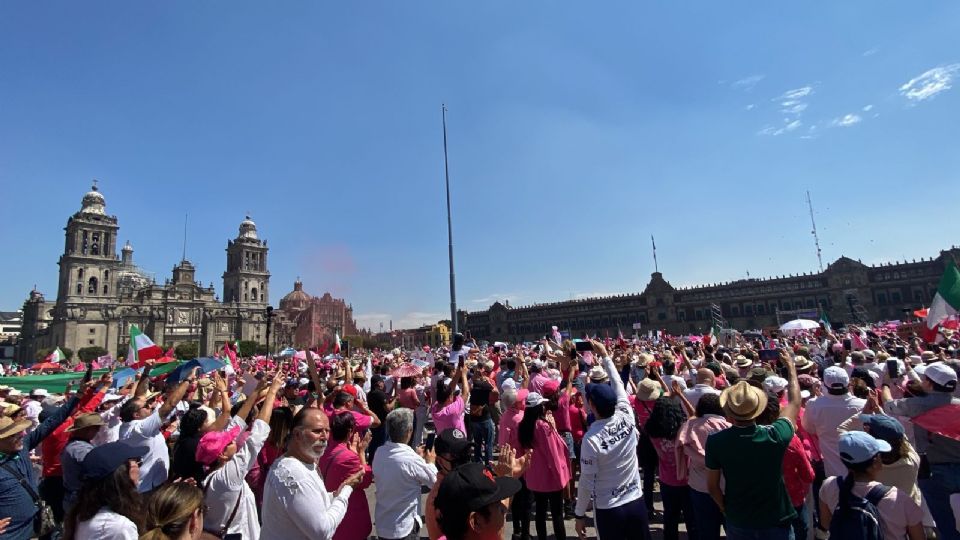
<point>295,502</point>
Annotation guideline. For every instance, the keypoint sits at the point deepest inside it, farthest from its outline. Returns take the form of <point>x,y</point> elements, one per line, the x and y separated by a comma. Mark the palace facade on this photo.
<point>846,291</point>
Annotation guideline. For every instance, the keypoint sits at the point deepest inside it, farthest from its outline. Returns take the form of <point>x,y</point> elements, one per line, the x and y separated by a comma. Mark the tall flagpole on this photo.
<point>446,172</point>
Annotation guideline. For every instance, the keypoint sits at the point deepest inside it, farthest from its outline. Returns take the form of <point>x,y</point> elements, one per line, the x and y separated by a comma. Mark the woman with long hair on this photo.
<point>663,427</point>
<point>108,506</point>
<point>175,512</point>
<point>280,421</point>
<point>692,445</point>
<point>447,409</point>
<point>548,472</point>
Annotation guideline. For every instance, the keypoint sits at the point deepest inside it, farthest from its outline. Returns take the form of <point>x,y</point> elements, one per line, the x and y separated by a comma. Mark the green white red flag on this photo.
<point>946,303</point>
<point>56,356</point>
<point>141,347</point>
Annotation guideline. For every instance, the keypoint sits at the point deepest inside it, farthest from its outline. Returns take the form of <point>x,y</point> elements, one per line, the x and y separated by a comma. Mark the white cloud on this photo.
<point>871,52</point>
<point>489,299</point>
<point>790,126</point>
<point>929,83</point>
<point>868,108</point>
<point>794,108</point>
<point>747,83</point>
<point>846,120</point>
<point>750,107</point>
<point>795,94</point>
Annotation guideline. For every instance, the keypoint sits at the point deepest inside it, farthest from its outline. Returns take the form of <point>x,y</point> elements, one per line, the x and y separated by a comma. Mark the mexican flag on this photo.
<point>824,320</point>
<point>946,303</point>
<point>141,347</point>
<point>712,337</point>
<point>336,343</point>
<point>56,356</point>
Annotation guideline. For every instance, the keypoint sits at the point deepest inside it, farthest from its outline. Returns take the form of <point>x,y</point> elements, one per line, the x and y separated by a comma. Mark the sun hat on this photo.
<point>743,401</point>
<point>836,377</point>
<point>550,388</point>
<point>860,446</point>
<point>869,354</point>
<point>10,409</point>
<point>533,399</point>
<point>915,359</point>
<point>15,393</point>
<point>941,374</point>
<point>758,374</point>
<point>212,444</point>
<point>648,390</point>
<point>39,392</point>
<point>775,384</point>
<point>742,361</point>
<point>84,421</point>
<point>642,359</point>
<point>469,488</point>
<point>802,363</point>
<point>598,374</point>
<point>927,356</point>
<point>102,460</point>
<point>9,426</point>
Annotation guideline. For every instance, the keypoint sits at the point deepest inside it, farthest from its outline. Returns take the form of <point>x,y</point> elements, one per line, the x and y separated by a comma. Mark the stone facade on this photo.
<point>847,291</point>
<point>308,321</point>
<point>100,295</point>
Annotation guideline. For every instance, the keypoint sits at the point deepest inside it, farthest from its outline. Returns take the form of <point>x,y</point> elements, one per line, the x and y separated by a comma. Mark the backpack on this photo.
<point>857,518</point>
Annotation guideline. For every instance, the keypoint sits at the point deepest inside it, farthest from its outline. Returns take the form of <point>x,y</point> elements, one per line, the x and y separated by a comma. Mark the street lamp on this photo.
<point>269,316</point>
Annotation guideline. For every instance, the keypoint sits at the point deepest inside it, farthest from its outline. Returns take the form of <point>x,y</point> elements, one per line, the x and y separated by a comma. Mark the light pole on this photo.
<point>446,172</point>
<point>269,316</point>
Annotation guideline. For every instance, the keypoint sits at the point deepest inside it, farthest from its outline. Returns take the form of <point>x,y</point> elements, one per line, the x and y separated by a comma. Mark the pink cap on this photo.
<point>521,399</point>
<point>550,387</point>
<point>211,445</point>
<point>350,389</point>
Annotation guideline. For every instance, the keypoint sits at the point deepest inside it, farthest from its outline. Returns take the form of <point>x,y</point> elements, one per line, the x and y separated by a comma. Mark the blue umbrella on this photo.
<point>122,377</point>
<point>206,365</point>
<point>289,351</point>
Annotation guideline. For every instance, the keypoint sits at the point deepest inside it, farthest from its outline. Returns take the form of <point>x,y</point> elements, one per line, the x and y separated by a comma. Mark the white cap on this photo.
<point>869,353</point>
<point>941,374</point>
<point>775,384</point>
<point>303,381</point>
<point>508,384</point>
<point>39,392</point>
<point>835,377</point>
<point>534,399</point>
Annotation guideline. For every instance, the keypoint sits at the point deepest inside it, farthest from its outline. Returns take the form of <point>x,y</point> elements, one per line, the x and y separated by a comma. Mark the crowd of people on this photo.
<point>814,434</point>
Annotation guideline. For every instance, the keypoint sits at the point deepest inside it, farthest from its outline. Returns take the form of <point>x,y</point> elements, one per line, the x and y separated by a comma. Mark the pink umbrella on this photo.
<point>407,370</point>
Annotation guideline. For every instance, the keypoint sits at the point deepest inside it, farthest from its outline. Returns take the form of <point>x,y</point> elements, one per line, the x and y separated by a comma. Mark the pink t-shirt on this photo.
<point>578,425</point>
<point>548,469</point>
<point>408,398</point>
<point>561,416</point>
<point>507,434</point>
<point>667,452</point>
<point>450,416</point>
<point>362,421</point>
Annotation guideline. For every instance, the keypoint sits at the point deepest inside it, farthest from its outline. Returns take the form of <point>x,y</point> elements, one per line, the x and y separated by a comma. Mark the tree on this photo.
<point>187,351</point>
<point>262,349</point>
<point>247,348</point>
<point>87,354</point>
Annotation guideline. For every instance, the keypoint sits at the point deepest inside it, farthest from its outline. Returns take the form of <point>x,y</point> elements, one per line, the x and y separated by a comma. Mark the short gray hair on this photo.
<point>508,398</point>
<point>400,425</point>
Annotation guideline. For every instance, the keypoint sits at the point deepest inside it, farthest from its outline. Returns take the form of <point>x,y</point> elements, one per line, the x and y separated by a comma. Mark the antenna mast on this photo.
<point>816,239</point>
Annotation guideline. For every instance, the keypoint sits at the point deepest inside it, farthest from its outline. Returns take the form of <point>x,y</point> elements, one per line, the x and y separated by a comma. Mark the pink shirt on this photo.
<point>450,416</point>
<point>548,469</point>
<point>335,465</point>
<point>693,445</point>
<point>362,421</point>
<point>667,452</point>
<point>408,398</point>
<point>797,471</point>
<point>578,425</point>
<point>561,416</point>
<point>508,434</point>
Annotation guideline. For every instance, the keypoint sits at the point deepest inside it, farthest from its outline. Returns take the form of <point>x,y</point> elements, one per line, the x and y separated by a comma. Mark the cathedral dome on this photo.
<point>296,299</point>
<point>93,201</point>
<point>248,229</point>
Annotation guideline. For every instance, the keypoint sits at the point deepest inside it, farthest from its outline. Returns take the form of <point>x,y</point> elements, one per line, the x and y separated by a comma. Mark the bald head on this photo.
<point>705,376</point>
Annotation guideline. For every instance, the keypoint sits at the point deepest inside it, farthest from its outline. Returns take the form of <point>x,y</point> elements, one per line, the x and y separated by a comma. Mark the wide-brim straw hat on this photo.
<point>648,390</point>
<point>743,401</point>
<point>742,361</point>
<point>802,363</point>
<point>84,421</point>
<point>9,426</point>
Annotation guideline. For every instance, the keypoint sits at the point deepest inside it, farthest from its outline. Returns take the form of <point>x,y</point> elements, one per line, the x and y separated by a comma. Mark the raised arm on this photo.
<point>792,409</point>
<point>171,402</point>
<point>601,351</point>
<point>143,384</point>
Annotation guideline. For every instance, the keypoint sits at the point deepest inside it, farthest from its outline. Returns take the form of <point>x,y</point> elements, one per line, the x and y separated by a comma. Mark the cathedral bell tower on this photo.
<point>247,280</point>
<point>89,261</point>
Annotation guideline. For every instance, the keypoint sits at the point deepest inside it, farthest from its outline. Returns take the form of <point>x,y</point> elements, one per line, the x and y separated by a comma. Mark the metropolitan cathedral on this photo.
<point>100,295</point>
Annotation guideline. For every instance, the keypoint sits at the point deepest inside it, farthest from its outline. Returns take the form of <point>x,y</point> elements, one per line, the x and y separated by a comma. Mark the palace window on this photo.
<point>79,288</point>
<point>80,273</point>
<point>881,299</point>
<point>106,289</point>
<point>95,244</point>
<point>84,243</point>
<point>92,286</point>
<point>895,297</point>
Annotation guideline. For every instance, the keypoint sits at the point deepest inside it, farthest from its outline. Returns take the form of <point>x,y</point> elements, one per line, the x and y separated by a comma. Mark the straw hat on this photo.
<point>742,361</point>
<point>642,359</point>
<point>743,401</point>
<point>9,426</point>
<point>597,374</point>
<point>802,363</point>
<point>84,421</point>
<point>648,390</point>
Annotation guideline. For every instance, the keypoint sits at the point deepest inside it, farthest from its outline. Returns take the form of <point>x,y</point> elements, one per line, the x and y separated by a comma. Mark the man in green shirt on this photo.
<point>750,459</point>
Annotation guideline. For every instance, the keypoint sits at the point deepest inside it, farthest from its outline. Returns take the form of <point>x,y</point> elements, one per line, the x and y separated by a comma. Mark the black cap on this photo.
<point>452,441</point>
<point>469,488</point>
<point>104,459</point>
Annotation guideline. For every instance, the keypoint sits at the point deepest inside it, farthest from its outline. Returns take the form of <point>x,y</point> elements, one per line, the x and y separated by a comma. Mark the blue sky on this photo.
<point>576,131</point>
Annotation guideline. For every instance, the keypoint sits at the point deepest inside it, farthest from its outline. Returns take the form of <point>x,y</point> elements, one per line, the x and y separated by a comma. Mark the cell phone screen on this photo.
<point>584,346</point>
<point>431,438</point>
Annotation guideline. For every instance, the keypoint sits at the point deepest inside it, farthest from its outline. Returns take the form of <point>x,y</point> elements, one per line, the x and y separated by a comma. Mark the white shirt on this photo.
<point>694,394</point>
<point>107,525</point>
<point>156,462</point>
<point>398,473</point>
<point>296,505</point>
<point>33,409</point>
<point>110,432</point>
<point>822,418</point>
<point>227,484</point>
<point>609,471</point>
<point>668,380</point>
